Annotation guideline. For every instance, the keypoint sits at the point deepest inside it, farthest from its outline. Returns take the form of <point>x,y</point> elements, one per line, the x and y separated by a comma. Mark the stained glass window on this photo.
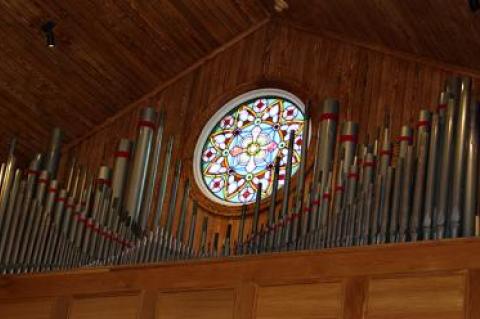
<point>239,152</point>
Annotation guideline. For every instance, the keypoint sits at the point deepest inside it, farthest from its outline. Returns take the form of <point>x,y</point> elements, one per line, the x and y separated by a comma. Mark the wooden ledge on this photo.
<point>279,268</point>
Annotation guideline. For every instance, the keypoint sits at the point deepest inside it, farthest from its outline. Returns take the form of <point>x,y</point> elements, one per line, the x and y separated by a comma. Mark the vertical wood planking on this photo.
<point>245,300</point>
<point>355,297</point>
<point>472,296</point>
<point>365,81</point>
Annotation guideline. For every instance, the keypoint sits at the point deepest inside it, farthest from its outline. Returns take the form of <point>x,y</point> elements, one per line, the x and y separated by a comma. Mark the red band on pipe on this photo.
<point>102,181</point>
<point>32,172</point>
<point>408,139</point>
<point>423,123</point>
<point>52,190</point>
<point>60,199</point>
<point>89,223</point>
<point>123,154</point>
<point>441,107</point>
<point>146,124</point>
<point>369,164</point>
<point>386,152</point>
<point>306,210</point>
<point>43,181</point>
<point>348,138</point>
<point>339,188</point>
<point>329,116</point>
<point>316,202</point>
<point>352,175</point>
<point>326,195</point>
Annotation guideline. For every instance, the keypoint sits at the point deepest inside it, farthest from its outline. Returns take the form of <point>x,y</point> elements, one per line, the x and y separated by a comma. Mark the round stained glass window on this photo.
<point>237,149</point>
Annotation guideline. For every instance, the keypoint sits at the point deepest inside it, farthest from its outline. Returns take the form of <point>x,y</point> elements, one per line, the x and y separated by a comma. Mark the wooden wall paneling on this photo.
<point>205,304</point>
<point>245,300</point>
<point>472,304</point>
<point>428,296</point>
<point>309,300</point>
<point>355,294</point>
<point>395,26</point>
<point>427,283</point>
<point>365,81</point>
<point>106,307</point>
<point>35,308</point>
<point>148,304</point>
<point>61,307</point>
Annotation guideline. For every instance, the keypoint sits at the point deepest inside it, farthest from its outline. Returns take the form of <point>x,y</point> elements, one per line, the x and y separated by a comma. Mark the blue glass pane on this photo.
<point>240,151</point>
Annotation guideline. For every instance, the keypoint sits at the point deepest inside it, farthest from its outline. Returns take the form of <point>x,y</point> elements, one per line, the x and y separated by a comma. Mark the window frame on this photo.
<point>215,119</point>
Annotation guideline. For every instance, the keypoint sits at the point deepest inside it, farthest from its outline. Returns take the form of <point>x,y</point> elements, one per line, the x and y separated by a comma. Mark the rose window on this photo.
<point>242,142</point>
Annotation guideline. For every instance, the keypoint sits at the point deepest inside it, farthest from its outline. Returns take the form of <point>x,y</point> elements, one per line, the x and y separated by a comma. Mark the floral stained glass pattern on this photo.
<point>240,151</point>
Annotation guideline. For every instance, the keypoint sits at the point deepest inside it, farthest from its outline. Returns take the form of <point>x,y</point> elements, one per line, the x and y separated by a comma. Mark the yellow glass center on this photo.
<point>253,148</point>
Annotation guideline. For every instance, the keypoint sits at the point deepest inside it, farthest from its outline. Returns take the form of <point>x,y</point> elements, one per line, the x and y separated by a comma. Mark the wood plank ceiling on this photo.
<point>112,52</point>
<point>109,53</point>
<point>442,30</point>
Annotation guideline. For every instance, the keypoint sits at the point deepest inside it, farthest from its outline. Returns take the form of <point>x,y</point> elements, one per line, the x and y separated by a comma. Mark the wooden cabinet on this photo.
<point>405,281</point>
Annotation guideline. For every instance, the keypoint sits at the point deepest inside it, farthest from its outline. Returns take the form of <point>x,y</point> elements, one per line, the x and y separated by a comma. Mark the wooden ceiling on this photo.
<point>112,52</point>
<point>109,53</point>
<point>442,30</point>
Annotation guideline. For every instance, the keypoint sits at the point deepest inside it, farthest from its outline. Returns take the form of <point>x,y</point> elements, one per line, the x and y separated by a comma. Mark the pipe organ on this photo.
<point>346,192</point>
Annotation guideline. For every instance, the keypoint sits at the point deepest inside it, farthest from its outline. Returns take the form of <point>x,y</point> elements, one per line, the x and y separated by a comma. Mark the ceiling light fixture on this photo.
<point>280,5</point>
<point>474,5</point>
<point>47,29</point>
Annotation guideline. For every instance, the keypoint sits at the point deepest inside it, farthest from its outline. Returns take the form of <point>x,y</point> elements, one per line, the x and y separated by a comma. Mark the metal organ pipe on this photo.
<point>141,156</point>
<point>53,155</point>
<point>458,169</point>
<point>361,195</point>
<point>120,168</point>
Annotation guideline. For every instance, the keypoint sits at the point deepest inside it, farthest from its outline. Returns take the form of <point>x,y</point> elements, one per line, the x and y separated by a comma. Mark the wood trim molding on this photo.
<point>274,269</point>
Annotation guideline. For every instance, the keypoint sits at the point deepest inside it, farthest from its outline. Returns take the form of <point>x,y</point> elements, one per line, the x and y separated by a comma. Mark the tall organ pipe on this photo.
<point>300,189</point>
<point>471,181</point>
<point>152,172</point>
<point>385,153</point>
<point>348,144</point>
<point>141,157</point>
<point>431,179</point>
<point>53,155</point>
<point>405,139</point>
<point>163,183</point>
<point>419,187</point>
<point>327,136</point>
<point>406,197</point>
<point>120,168</point>
<point>458,168</point>
<point>7,223</point>
<point>7,181</point>
<point>445,171</point>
